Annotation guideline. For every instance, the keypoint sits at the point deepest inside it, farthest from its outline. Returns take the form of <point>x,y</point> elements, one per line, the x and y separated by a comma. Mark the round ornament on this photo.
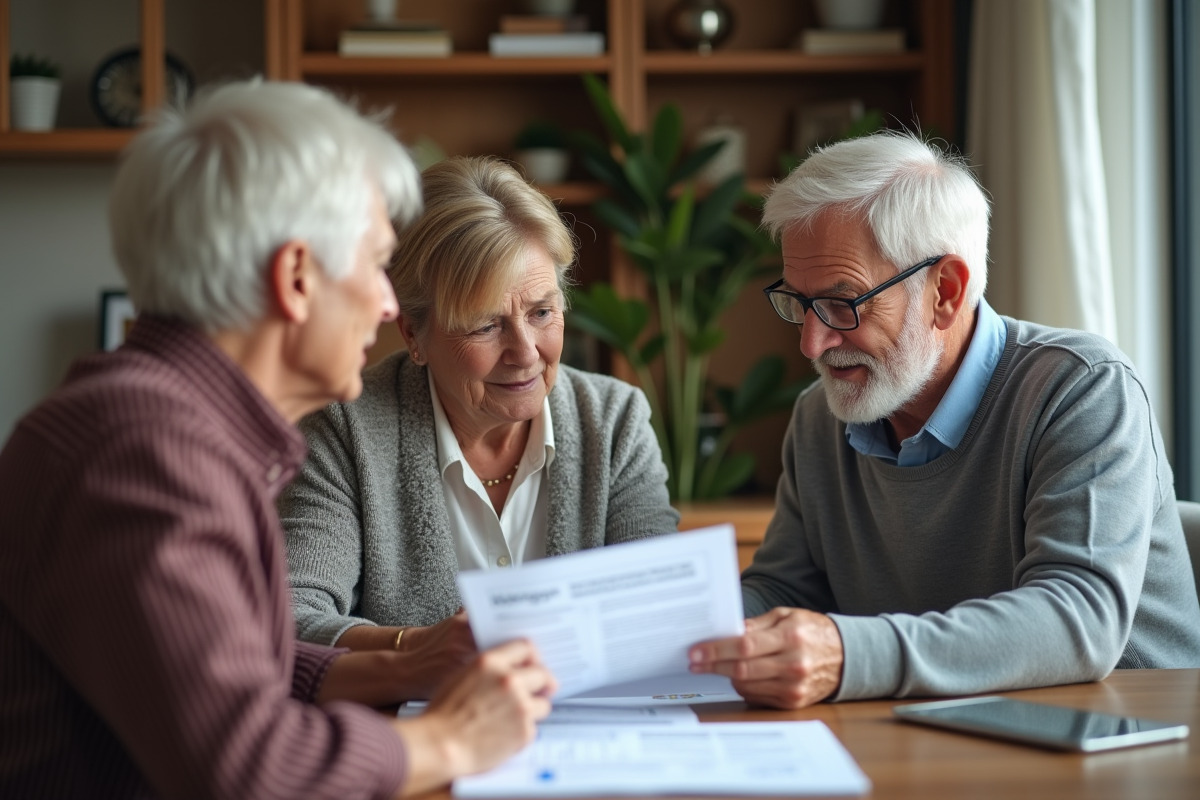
<point>116,88</point>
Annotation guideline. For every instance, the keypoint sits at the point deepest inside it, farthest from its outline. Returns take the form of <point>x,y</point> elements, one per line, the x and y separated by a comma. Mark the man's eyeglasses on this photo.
<point>839,313</point>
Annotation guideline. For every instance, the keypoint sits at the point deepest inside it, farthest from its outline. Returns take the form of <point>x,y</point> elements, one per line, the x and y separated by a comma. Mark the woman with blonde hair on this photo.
<point>476,448</point>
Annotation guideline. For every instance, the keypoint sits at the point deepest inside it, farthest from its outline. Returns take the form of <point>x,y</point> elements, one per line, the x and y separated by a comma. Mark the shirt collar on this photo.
<point>540,446</point>
<point>946,427</point>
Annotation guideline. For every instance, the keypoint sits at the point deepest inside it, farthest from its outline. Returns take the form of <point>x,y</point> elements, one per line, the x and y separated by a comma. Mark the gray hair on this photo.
<point>205,197</point>
<point>917,200</point>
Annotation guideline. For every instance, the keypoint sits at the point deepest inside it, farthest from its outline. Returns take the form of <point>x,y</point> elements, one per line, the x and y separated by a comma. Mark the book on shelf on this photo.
<point>546,44</point>
<point>823,42</point>
<point>542,23</point>
<point>412,40</point>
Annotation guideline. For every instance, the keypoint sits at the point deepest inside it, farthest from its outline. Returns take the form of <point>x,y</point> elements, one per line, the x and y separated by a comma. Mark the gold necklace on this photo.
<point>490,482</point>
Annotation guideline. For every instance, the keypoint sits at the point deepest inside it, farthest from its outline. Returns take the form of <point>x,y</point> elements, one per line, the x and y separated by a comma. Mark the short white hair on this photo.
<point>205,197</point>
<point>917,200</point>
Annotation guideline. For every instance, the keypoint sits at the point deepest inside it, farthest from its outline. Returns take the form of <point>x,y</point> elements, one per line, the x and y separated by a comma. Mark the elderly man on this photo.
<point>146,639</point>
<point>968,502</point>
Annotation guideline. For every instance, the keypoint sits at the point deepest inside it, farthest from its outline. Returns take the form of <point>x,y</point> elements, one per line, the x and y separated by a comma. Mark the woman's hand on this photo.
<point>429,654</point>
<point>481,716</point>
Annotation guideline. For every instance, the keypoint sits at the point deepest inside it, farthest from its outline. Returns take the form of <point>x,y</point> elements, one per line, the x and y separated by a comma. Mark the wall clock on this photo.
<point>116,89</point>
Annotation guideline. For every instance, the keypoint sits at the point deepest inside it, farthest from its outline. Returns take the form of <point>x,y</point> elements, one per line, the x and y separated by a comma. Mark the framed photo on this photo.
<point>821,123</point>
<point>116,318</point>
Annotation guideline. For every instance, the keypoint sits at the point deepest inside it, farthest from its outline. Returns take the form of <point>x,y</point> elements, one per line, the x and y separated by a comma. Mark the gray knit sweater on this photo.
<point>368,536</point>
<point>1045,549</point>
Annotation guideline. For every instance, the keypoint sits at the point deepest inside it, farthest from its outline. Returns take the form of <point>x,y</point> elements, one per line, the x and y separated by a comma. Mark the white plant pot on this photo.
<point>544,164</point>
<point>34,103</point>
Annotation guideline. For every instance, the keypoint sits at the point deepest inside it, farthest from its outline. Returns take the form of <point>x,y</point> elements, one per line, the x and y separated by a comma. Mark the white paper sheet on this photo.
<point>584,714</point>
<point>723,758</point>
<point>664,690</point>
<point>613,614</point>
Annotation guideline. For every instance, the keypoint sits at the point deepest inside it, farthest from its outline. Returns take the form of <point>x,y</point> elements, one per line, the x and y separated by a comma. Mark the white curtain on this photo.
<point>1033,133</point>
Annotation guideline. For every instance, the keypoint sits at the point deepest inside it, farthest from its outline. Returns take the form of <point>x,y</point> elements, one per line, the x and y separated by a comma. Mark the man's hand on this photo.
<point>480,716</point>
<point>787,658</point>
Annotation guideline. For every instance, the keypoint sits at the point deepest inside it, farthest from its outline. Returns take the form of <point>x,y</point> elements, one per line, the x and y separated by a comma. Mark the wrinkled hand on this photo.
<point>431,653</point>
<point>787,658</point>
<point>481,716</point>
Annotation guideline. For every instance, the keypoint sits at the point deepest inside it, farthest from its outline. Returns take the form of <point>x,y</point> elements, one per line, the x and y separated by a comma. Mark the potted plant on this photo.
<point>697,254</point>
<point>541,150</point>
<point>34,84</point>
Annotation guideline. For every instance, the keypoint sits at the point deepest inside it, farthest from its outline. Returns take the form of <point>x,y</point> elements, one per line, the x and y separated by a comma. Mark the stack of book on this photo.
<point>533,35</point>
<point>825,41</point>
<point>396,39</point>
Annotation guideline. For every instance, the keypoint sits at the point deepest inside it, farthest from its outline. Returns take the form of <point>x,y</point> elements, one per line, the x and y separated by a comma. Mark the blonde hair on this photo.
<point>468,249</point>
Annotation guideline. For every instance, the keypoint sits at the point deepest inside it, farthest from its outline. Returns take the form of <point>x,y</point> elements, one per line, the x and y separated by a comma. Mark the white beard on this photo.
<point>892,381</point>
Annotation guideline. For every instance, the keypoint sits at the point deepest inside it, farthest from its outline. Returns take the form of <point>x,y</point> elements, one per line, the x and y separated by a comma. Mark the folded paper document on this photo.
<point>614,614</point>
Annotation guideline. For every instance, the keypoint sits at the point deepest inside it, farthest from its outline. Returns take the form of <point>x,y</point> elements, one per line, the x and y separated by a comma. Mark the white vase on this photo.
<point>544,164</point>
<point>34,103</point>
<point>850,14</point>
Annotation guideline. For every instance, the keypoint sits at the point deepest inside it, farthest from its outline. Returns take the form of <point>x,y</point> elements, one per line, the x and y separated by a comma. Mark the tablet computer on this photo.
<point>1039,724</point>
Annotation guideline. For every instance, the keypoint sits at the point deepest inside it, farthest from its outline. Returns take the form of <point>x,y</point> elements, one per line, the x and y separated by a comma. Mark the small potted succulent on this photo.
<point>541,150</point>
<point>34,84</point>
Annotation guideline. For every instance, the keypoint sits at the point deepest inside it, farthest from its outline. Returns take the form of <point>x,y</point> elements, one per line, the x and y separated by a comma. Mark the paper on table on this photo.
<point>664,690</point>
<point>613,614</point>
<point>586,714</point>
<point>727,758</point>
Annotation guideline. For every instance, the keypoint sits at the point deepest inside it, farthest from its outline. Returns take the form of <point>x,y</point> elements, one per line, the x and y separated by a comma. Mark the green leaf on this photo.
<point>653,348</point>
<point>616,217</point>
<point>667,135</point>
<point>705,341</point>
<point>715,211</point>
<point>732,473</point>
<point>679,223</point>
<point>609,116</point>
<point>695,161</point>
<point>612,319</point>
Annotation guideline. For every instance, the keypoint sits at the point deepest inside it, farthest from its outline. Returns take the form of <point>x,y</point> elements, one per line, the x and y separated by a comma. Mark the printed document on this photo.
<point>721,758</point>
<point>583,714</point>
<point>613,614</point>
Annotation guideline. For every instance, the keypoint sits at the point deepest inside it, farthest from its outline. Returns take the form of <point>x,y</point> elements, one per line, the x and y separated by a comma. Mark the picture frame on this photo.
<point>817,124</point>
<point>116,318</point>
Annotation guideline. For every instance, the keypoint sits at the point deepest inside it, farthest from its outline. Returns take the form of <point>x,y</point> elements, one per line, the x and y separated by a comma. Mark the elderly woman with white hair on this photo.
<point>146,643</point>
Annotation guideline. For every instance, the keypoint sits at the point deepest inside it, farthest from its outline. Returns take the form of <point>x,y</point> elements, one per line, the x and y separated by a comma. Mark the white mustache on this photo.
<point>842,360</point>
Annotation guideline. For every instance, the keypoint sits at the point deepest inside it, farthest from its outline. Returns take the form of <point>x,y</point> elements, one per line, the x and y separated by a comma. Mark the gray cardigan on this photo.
<point>368,536</point>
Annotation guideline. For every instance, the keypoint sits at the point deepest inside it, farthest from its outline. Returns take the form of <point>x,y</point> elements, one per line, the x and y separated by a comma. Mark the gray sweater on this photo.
<point>1045,549</point>
<point>367,533</point>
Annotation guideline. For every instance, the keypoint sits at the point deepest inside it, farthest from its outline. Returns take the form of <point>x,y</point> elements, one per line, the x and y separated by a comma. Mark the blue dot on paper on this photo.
<point>546,775</point>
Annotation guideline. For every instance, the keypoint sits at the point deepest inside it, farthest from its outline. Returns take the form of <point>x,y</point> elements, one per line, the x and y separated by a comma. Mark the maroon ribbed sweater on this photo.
<point>146,638</point>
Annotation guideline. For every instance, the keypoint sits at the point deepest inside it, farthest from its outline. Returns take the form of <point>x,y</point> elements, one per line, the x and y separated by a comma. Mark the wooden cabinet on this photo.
<point>472,103</point>
<point>84,141</point>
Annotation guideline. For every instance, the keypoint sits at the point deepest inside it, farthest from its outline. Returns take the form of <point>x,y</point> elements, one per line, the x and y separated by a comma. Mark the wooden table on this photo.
<point>918,763</point>
<point>910,761</point>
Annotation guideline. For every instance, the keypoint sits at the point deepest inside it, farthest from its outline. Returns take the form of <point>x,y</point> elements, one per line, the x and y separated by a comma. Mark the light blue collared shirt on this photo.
<point>950,420</point>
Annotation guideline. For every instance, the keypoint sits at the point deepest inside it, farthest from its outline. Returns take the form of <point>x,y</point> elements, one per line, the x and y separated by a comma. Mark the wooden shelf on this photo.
<point>481,66</point>
<point>85,142</point>
<point>766,62</point>
<point>80,142</point>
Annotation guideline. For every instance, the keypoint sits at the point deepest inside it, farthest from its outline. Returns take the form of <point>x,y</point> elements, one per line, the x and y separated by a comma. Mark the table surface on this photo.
<point>911,761</point>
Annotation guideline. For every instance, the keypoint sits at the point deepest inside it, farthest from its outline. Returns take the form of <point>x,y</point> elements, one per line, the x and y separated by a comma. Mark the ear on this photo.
<point>409,332</point>
<point>949,283</point>
<point>292,281</point>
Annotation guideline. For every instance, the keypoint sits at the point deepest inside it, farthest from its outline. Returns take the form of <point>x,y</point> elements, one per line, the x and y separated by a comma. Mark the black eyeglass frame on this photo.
<point>809,303</point>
